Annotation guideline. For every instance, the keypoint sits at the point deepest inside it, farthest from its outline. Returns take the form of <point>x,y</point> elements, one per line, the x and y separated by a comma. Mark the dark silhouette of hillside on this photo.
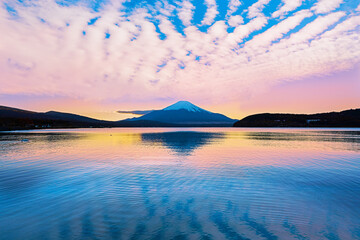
<point>347,118</point>
<point>17,119</point>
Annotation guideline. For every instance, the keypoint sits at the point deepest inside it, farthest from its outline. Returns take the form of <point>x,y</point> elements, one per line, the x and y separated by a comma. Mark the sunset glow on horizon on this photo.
<point>233,57</point>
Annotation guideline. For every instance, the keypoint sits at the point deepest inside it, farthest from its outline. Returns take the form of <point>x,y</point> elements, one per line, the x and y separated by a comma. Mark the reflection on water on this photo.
<point>184,142</point>
<point>180,184</point>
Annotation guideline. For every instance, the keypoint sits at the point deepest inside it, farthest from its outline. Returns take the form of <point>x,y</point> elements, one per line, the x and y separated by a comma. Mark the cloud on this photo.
<point>245,30</point>
<point>186,12</point>
<point>211,12</point>
<point>289,5</point>
<point>233,6</point>
<point>50,54</point>
<point>21,66</point>
<point>315,28</point>
<point>255,10</point>
<point>278,31</point>
<point>325,6</point>
<point>136,112</point>
<point>235,21</point>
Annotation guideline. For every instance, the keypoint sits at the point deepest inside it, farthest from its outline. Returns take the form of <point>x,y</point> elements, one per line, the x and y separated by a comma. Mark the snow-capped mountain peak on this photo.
<point>185,105</point>
<point>184,113</point>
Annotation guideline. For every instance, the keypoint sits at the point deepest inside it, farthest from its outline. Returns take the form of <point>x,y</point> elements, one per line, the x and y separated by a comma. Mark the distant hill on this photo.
<point>15,119</point>
<point>347,118</point>
<point>184,113</point>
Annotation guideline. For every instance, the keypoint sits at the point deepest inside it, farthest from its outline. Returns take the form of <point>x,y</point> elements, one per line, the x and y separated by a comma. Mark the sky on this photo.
<point>235,57</point>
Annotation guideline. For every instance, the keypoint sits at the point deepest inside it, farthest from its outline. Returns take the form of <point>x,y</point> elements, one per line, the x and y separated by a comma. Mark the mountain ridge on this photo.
<point>346,118</point>
<point>186,113</point>
<point>185,105</point>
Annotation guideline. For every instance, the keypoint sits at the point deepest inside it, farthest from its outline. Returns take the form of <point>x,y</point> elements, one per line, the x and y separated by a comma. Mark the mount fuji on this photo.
<point>184,113</point>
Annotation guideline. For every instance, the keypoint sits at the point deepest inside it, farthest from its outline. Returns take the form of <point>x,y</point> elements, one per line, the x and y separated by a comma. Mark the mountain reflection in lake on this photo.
<point>183,143</point>
<point>180,184</point>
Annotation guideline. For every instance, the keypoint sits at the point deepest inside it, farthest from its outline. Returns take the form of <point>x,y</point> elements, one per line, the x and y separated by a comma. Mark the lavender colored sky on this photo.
<point>234,57</point>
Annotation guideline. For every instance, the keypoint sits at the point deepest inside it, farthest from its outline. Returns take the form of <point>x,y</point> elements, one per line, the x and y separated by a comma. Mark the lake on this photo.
<point>185,183</point>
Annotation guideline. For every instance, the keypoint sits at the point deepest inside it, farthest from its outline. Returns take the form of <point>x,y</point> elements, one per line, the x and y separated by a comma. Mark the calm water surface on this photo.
<point>180,184</point>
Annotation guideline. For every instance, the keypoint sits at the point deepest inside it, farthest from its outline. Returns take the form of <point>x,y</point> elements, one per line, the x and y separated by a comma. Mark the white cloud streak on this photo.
<point>233,6</point>
<point>325,6</point>
<point>186,12</point>
<point>255,10</point>
<point>289,5</point>
<point>277,32</point>
<point>358,8</point>
<point>211,12</point>
<point>235,21</point>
